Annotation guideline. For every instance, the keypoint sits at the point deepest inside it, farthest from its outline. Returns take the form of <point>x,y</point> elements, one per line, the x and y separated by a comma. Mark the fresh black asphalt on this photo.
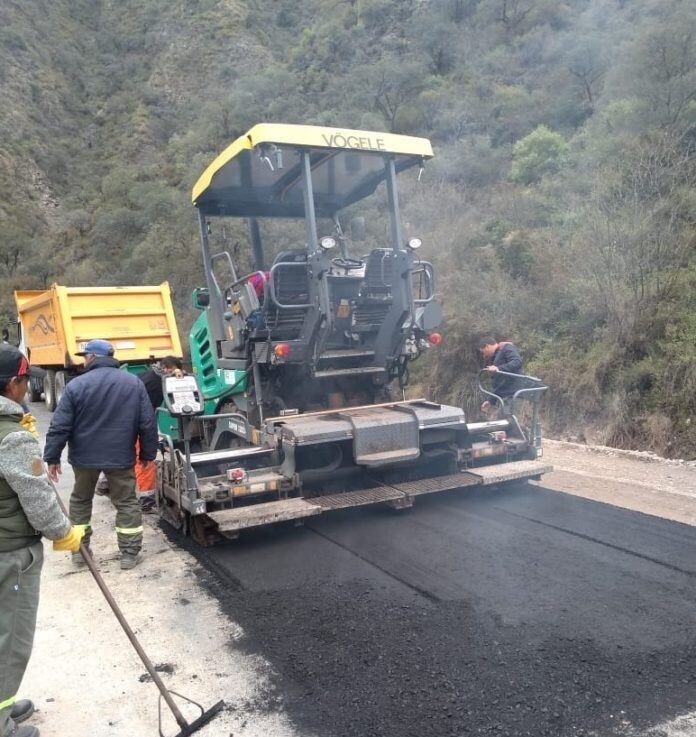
<point>520,611</point>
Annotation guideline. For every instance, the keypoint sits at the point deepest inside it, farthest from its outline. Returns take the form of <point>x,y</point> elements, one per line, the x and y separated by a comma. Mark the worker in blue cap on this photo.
<point>100,416</point>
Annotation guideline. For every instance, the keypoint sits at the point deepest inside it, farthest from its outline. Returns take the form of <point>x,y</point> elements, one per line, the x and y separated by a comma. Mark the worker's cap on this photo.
<point>97,348</point>
<point>485,340</point>
<point>14,363</point>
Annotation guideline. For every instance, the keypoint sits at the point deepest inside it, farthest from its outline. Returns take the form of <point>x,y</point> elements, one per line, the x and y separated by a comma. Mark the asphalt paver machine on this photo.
<point>298,362</point>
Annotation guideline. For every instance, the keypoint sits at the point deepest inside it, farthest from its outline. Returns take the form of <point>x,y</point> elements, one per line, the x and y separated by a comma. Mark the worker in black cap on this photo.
<point>28,510</point>
<point>501,355</point>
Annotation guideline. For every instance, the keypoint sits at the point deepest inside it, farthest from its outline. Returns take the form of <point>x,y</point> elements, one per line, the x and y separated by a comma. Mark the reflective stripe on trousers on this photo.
<point>129,530</point>
<point>129,518</point>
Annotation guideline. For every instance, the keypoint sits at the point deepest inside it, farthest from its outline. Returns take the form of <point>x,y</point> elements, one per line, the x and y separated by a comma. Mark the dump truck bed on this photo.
<point>57,322</point>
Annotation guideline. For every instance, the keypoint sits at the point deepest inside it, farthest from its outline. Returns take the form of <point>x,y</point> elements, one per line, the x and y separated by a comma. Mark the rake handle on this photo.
<point>181,721</point>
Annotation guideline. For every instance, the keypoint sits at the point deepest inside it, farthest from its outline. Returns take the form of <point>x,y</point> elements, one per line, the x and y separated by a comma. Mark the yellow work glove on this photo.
<point>71,541</point>
<point>28,422</point>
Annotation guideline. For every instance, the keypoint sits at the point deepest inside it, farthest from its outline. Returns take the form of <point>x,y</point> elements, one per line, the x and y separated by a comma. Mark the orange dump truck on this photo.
<point>56,323</point>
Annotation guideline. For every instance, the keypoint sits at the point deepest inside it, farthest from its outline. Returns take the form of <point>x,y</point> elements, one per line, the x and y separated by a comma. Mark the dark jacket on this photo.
<point>507,358</point>
<point>100,416</point>
<point>153,387</point>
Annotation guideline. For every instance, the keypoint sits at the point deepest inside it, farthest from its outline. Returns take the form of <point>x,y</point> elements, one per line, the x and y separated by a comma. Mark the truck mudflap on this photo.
<point>230,522</point>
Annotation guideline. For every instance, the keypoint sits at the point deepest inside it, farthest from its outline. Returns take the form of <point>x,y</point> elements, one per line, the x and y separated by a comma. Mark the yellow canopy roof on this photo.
<point>259,174</point>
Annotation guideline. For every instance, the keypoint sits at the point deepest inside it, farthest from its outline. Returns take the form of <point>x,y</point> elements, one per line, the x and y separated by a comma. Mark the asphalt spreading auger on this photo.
<point>295,362</point>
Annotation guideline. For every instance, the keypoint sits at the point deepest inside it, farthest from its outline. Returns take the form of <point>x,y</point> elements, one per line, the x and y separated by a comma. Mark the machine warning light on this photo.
<point>236,474</point>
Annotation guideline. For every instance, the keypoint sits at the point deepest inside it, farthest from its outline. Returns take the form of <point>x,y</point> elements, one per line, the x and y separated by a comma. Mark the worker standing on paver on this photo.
<point>501,356</point>
<point>28,510</point>
<point>100,416</point>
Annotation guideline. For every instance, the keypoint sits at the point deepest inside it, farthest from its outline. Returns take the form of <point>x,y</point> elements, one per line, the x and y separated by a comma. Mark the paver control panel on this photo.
<point>182,396</point>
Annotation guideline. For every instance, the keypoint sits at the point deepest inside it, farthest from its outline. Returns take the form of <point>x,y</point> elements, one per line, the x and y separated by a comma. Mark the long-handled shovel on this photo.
<point>187,728</point>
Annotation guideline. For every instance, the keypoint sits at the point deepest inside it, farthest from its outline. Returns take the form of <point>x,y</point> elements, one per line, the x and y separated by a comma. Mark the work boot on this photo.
<point>147,502</point>
<point>129,561</point>
<point>24,732</point>
<point>21,710</point>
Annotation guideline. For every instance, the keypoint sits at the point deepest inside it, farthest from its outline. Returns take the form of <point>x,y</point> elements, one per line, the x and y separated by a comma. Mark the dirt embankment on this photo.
<point>634,480</point>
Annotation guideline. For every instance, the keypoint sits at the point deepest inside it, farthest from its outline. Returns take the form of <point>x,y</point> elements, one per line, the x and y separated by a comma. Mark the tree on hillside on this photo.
<point>658,68</point>
<point>587,63</point>
<point>541,152</point>
<point>391,87</point>
<point>639,231</point>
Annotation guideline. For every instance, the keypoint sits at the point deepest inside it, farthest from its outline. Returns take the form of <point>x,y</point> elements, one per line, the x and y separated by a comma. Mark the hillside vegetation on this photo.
<point>559,209</point>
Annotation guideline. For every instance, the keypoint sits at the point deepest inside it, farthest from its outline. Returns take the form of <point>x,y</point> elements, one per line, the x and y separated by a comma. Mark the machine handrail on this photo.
<point>424,267</point>
<point>245,279</point>
<point>536,391</point>
<point>222,416</point>
<point>271,284</point>
<point>428,269</point>
<point>168,440</point>
<point>216,257</point>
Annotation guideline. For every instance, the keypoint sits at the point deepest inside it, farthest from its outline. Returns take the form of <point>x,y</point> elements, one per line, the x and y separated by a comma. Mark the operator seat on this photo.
<point>376,293</point>
<point>290,282</point>
<point>379,273</point>
<point>291,286</point>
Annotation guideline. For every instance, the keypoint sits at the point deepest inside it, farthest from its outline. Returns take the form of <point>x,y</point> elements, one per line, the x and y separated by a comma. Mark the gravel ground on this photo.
<point>633,480</point>
<point>86,679</point>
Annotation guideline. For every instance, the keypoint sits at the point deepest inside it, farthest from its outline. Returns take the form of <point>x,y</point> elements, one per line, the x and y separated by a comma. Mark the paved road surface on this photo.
<point>522,611</point>
<point>516,612</point>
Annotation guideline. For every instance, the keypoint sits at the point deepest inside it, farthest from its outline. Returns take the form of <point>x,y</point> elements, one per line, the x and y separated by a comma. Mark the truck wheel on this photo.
<point>35,390</point>
<point>50,390</point>
<point>60,382</point>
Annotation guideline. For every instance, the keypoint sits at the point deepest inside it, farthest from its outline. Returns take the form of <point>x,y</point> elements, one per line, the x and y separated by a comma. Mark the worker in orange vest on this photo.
<point>146,475</point>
